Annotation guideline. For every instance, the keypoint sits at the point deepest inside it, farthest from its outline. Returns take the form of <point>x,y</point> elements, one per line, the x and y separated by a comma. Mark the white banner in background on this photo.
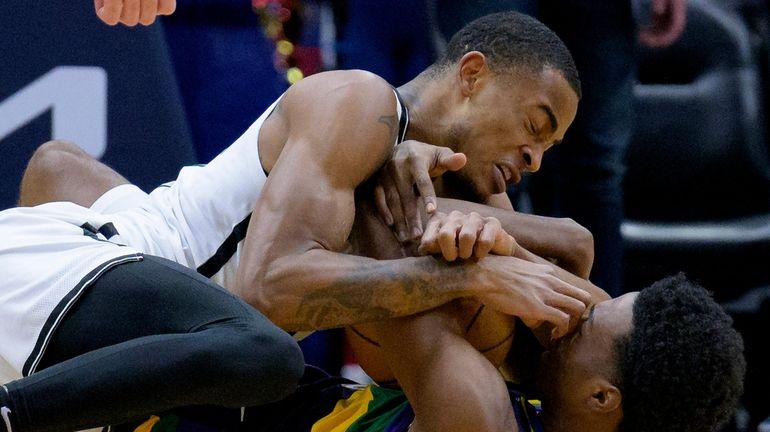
<point>77,98</point>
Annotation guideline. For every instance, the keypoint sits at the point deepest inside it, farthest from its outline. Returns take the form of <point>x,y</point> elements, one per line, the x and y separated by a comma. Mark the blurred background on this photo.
<point>667,163</point>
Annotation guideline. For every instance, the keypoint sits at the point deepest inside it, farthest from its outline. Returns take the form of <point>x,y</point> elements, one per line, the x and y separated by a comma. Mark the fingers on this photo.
<point>444,160</point>
<point>429,241</point>
<point>109,10</point>
<point>404,179</point>
<point>458,235</point>
<point>470,238</point>
<point>447,239</point>
<point>132,12</point>
<point>412,166</point>
<point>569,305</point>
<point>382,205</point>
<point>562,313</point>
<point>148,12</point>
<point>424,186</point>
<point>572,302</point>
<point>441,236</point>
<point>166,7</point>
<point>393,200</point>
<point>560,322</point>
<point>453,236</point>
<point>573,292</point>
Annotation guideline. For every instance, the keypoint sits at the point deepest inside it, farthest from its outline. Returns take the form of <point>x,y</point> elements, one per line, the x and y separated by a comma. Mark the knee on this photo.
<point>48,165</point>
<point>52,157</point>
<point>268,367</point>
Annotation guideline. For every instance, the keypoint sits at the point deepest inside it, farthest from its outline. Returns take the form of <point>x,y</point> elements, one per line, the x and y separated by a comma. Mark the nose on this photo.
<point>532,158</point>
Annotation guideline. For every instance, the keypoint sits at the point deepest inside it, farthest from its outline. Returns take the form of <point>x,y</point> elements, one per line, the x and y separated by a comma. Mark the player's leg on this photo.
<point>62,171</point>
<point>147,337</point>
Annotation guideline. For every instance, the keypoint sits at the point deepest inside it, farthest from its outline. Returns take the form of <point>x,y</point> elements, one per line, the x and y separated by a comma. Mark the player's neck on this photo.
<point>427,101</point>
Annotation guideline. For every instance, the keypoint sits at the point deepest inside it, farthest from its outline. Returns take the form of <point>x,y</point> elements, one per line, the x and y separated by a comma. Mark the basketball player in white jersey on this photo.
<point>97,333</point>
<point>505,92</point>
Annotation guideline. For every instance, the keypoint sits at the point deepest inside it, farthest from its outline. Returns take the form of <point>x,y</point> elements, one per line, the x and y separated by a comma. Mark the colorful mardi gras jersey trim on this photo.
<point>378,409</point>
<point>368,409</point>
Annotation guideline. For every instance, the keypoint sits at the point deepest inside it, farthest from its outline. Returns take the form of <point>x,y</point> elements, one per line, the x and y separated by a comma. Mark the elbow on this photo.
<point>582,250</point>
<point>263,294</point>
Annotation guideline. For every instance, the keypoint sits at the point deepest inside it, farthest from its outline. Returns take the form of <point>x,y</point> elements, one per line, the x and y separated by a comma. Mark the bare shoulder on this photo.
<point>341,95</point>
<point>347,119</point>
<point>326,91</point>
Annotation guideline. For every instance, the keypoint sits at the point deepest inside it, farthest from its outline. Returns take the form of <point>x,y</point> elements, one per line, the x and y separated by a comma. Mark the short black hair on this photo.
<point>681,368</point>
<point>511,40</point>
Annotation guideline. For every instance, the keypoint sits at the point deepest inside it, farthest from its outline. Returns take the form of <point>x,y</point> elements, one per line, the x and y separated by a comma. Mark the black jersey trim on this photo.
<point>226,250</point>
<point>403,122</point>
<point>64,306</point>
<point>230,245</point>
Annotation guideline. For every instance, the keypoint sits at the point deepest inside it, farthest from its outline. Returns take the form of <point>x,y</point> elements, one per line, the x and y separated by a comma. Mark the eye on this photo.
<point>532,129</point>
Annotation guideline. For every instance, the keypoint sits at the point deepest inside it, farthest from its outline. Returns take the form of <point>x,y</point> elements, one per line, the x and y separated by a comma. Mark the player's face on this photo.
<point>508,125</point>
<point>566,368</point>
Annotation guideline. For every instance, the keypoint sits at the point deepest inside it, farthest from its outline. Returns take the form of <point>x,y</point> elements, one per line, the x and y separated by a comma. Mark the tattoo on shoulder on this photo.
<point>392,122</point>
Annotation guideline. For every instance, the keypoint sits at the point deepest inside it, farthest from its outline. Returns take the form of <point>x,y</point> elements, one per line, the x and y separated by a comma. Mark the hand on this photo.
<point>412,163</point>
<point>458,235</point>
<point>667,22</point>
<point>533,293</point>
<point>132,12</point>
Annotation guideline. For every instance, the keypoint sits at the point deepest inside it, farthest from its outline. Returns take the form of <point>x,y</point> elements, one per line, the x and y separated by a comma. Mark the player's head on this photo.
<point>666,358</point>
<point>511,42</point>
<point>515,92</point>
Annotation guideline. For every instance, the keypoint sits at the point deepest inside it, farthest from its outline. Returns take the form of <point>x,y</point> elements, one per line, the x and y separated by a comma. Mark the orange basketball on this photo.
<point>489,331</point>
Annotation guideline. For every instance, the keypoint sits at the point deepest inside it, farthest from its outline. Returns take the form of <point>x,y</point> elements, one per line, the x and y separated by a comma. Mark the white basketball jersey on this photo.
<point>200,219</point>
<point>49,255</point>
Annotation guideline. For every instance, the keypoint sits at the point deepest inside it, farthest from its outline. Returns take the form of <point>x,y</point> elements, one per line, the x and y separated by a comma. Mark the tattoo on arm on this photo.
<point>378,293</point>
<point>392,123</point>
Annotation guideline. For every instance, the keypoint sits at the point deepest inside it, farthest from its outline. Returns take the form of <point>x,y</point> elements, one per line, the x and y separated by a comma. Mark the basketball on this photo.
<point>489,331</point>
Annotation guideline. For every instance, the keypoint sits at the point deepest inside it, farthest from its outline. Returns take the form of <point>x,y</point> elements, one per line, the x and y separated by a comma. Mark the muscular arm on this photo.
<point>291,267</point>
<point>449,384</point>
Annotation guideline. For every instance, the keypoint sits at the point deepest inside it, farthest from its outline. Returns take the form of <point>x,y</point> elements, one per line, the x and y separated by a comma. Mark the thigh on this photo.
<point>120,198</point>
<point>150,297</point>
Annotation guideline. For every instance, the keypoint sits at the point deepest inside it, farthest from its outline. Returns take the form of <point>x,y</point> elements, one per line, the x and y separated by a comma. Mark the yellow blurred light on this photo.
<point>284,47</point>
<point>293,75</point>
<point>272,29</point>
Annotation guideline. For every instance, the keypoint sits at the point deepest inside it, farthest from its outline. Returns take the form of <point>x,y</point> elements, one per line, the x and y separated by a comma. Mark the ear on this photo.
<point>604,397</point>
<point>473,67</point>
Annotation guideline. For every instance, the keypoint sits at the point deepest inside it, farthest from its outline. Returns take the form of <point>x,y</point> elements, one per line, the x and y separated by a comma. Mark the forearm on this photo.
<point>449,384</point>
<point>570,244</point>
<point>322,289</point>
